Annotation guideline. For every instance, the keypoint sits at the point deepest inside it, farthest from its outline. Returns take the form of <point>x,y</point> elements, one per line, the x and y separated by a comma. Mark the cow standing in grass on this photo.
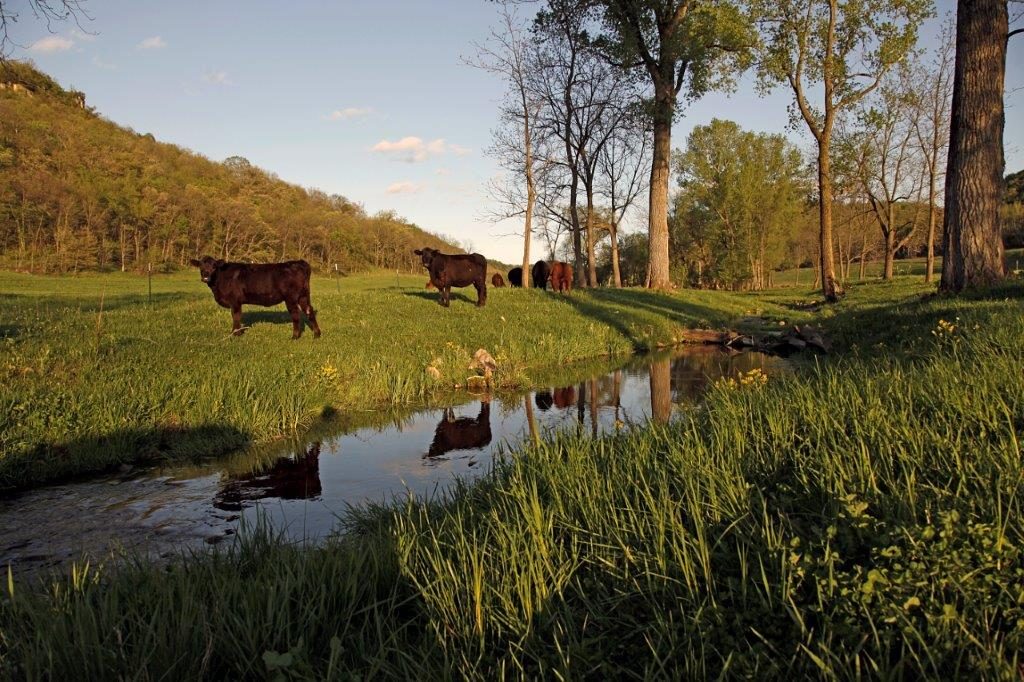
<point>561,276</point>
<point>460,270</point>
<point>237,284</point>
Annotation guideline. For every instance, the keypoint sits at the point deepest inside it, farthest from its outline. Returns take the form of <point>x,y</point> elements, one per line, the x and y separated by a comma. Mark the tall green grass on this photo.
<point>858,519</point>
<point>94,375</point>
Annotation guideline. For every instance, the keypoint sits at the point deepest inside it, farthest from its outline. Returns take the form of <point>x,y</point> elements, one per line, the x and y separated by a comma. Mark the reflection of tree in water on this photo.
<point>660,375</point>
<point>699,367</point>
<point>289,478</point>
<point>464,433</point>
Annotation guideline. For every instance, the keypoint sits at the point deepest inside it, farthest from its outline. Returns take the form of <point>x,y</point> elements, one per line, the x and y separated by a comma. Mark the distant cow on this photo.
<point>464,433</point>
<point>460,270</point>
<point>540,273</point>
<point>497,280</point>
<point>515,277</point>
<point>237,284</point>
<point>561,276</point>
<point>288,478</point>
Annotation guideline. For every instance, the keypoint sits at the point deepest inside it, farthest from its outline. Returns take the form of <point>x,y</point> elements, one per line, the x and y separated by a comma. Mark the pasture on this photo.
<point>859,518</point>
<point>96,374</point>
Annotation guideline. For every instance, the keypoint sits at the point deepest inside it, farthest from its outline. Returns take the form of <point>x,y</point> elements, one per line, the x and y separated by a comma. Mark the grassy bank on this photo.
<point>860,519</point>
<point>95,375</point>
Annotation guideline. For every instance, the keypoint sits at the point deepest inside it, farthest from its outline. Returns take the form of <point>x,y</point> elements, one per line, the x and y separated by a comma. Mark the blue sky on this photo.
<point>370,100</point>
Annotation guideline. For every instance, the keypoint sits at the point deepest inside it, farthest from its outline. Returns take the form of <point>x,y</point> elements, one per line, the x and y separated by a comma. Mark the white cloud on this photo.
<point>152,43</point>
<point>216,78</point>
<point>100,64</point>
<point>349,113</point>
<point>413,149</point>
<point>442,171</point>
<point>404,187</point>
<point>52,44</point>
<point>82,36</point>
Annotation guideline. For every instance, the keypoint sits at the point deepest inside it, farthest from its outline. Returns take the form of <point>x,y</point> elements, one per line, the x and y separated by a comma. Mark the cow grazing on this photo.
<point>515,277</point>
<point>237,284</point>
<point>541,271</point>
<point>561,276</point>
<point>464,433</point>
<point>460,270</point>
<point>497,280</point>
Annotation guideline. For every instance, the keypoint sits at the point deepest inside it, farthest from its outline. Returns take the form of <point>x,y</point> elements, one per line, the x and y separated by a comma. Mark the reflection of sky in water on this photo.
<point>305,493</point>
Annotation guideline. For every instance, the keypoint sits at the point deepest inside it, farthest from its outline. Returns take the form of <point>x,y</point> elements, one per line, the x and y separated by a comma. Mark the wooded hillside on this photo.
<point>78,192</point>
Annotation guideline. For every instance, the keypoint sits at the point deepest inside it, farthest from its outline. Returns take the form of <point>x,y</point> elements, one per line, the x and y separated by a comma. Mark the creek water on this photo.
<point>303,490</point>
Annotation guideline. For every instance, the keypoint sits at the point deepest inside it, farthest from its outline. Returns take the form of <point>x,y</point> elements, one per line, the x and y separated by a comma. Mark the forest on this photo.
<point>78,192</point>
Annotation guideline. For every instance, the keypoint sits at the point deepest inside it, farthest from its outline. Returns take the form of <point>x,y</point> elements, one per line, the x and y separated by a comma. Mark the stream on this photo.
<point>304,489</point>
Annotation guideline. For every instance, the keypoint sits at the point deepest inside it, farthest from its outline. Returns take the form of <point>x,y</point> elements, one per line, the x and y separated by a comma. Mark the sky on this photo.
<point>370,100</point>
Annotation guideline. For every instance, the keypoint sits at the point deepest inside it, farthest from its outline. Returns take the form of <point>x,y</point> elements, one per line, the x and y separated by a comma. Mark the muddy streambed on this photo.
<point>302,491</point>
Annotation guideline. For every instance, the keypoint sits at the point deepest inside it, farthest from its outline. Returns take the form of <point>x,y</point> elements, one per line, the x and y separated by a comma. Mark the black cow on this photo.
<point>540,273</point>
<point>288,478</point>
<point>459,270</point>
<point>266,284</point>
<point>515,277</point>
<point>464,433</point>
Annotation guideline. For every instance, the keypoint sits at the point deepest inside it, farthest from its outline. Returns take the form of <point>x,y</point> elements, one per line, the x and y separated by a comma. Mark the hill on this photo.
<point>78,192</point>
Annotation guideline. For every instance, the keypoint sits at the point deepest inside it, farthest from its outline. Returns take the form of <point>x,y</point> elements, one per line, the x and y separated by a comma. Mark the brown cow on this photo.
<point>565,397</point>
<point>497,280</point>
<point>464,433</point>
<point>458,270</point>
<point>267,284</point>
<point>561,276</point>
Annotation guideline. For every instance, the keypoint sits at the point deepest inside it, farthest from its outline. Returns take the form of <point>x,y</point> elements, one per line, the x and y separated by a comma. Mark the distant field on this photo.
<point>95,374</point>
<point>873,269</point>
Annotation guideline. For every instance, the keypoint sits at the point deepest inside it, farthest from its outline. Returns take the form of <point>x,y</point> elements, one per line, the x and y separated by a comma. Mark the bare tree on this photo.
<point>931,124</point>
<point>48,11</point>
<point>509,55</point>
<point>622,162</point>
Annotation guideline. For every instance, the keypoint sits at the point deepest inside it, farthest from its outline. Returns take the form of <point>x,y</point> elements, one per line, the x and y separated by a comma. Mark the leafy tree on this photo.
<point>847,48</point>
<point>674,44</point>
<point>739,195</point>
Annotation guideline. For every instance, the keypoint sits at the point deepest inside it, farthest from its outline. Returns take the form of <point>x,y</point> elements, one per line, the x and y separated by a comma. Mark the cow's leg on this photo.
<point>481,293</point>
<point>446,296</point>
<point>296,314</point>
<point>236,320</point>
<point>307,308</point>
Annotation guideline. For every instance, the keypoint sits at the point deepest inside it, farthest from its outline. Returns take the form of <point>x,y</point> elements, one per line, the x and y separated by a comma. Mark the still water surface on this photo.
<point>161,510</point>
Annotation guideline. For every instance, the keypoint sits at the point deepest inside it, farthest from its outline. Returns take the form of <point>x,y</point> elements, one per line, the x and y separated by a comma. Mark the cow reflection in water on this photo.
<point>290,478</point>
<point>565,397</point>
<point>464,433</point>
<point>544,400</point>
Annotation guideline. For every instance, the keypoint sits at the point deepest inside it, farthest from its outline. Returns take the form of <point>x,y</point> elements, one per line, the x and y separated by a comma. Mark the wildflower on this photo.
<point>328,372</point>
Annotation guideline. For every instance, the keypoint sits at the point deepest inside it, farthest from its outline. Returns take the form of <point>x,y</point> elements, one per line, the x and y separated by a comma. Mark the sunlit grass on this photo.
<point>860,518</point>
<point>95,374</point>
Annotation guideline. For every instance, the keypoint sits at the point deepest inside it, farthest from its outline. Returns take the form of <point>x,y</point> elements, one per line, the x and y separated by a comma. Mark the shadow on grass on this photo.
<point>51,462</point>
<point>435,297</point>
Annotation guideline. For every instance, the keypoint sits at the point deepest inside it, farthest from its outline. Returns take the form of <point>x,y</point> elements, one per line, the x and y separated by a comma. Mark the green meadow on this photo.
<point>98,372</point>
<point>858,518</point>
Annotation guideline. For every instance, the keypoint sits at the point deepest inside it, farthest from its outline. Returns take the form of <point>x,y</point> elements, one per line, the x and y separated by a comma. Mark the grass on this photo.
<point>858,519</point>
<point>95,375</point>
<point>912,267</point>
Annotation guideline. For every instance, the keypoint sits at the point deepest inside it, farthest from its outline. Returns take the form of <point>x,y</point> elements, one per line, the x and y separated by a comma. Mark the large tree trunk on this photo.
<point>531,194</point>
<point>658,214</point>
<point>972,245</point>
<point>830,287</point>
<point>660,377</point>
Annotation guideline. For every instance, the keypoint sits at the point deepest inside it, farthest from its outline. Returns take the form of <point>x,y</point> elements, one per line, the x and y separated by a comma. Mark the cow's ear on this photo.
<point>195,263</point>
<point>418,252</point>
